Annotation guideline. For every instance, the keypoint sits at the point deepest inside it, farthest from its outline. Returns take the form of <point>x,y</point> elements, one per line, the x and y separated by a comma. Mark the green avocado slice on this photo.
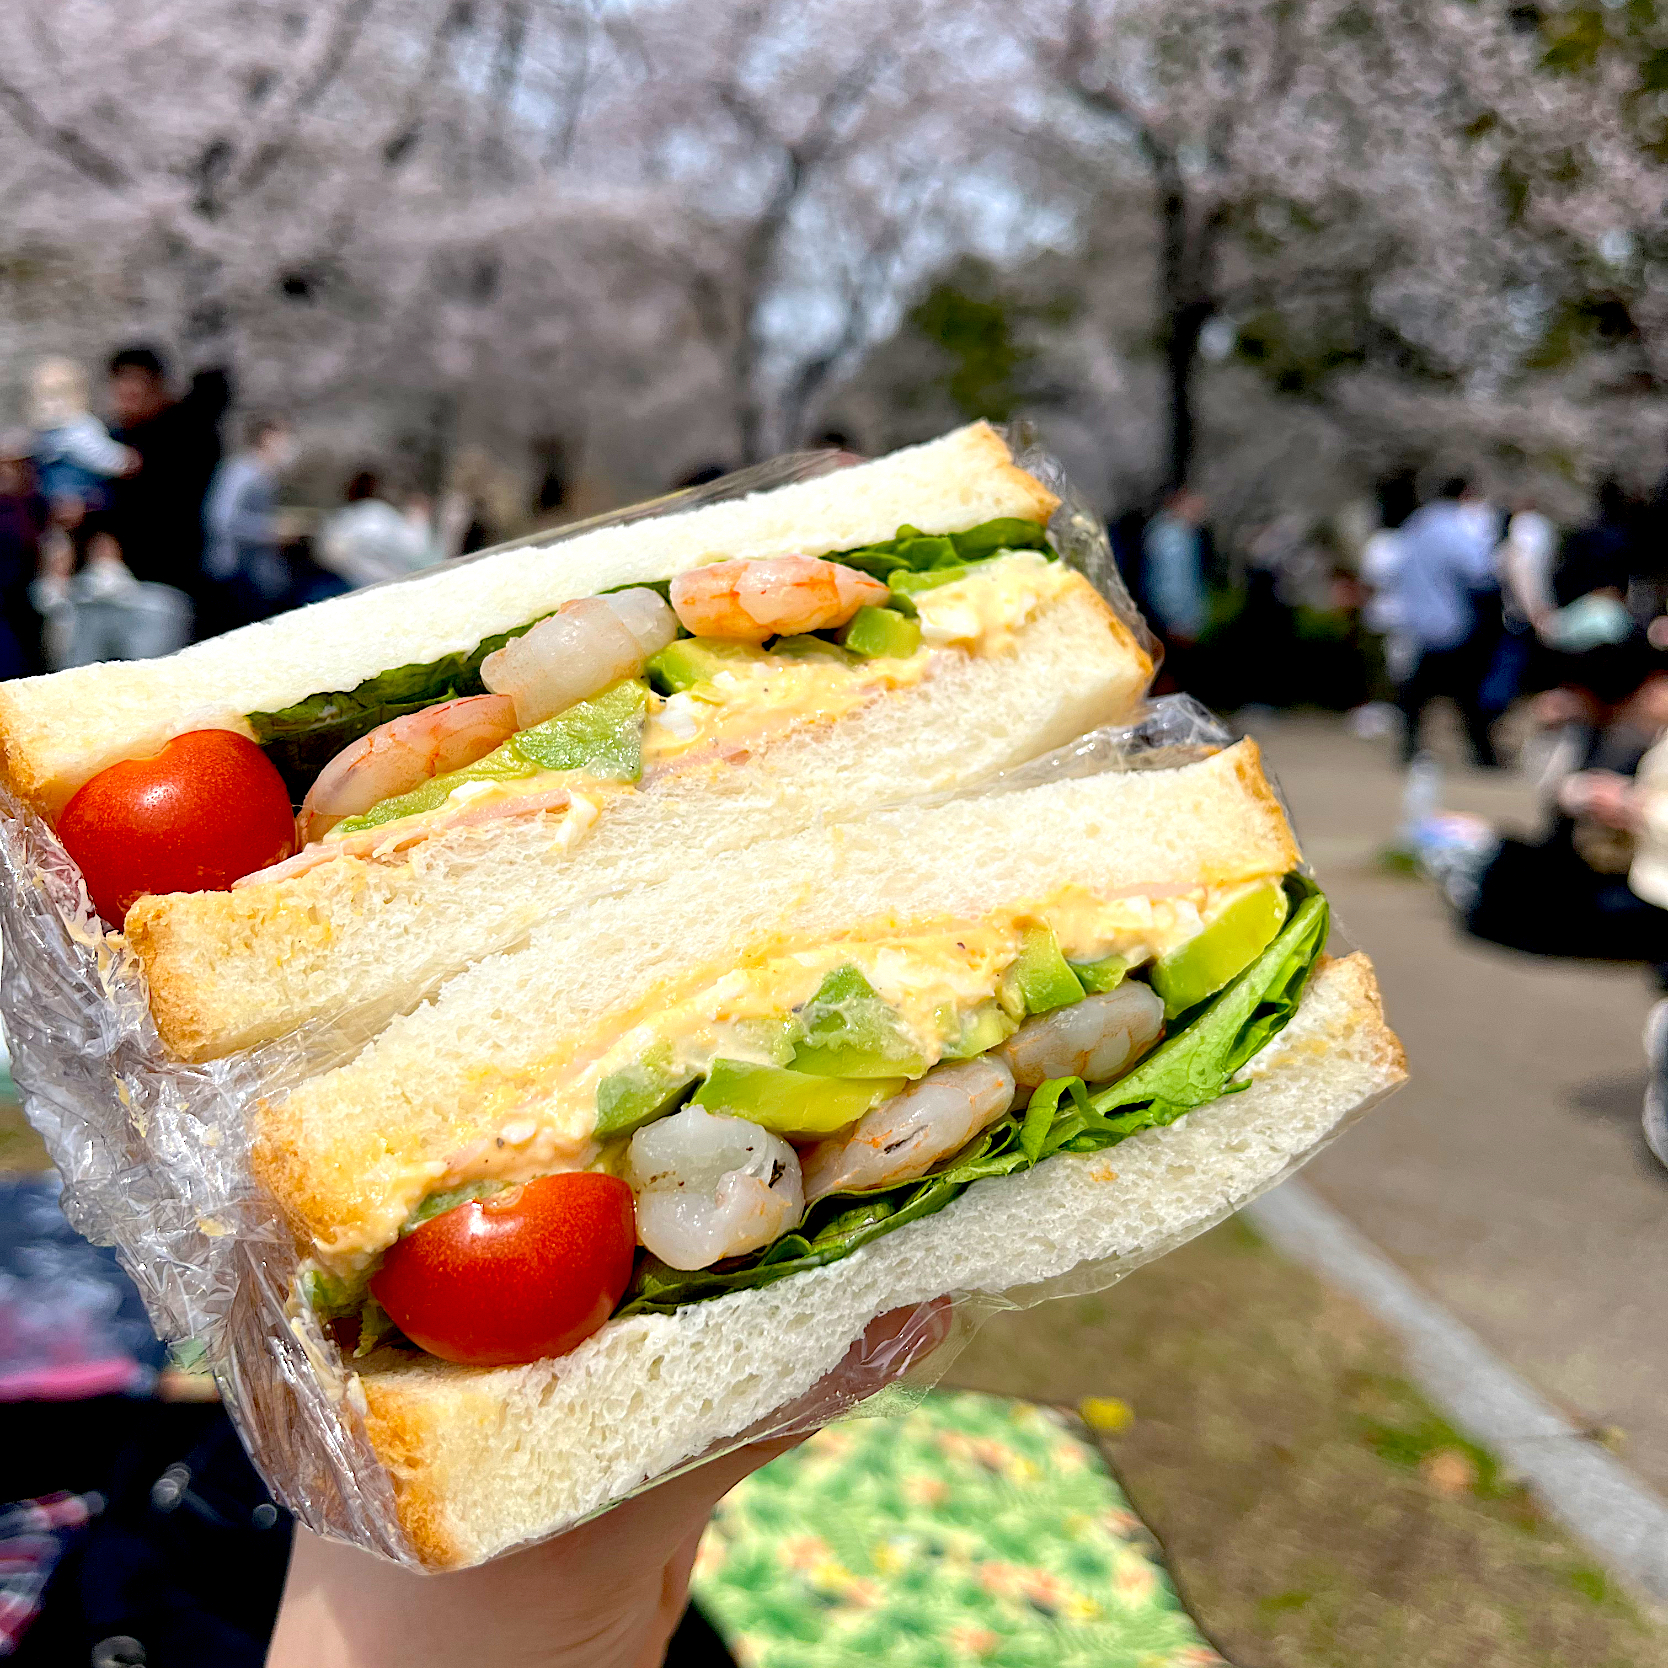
<point>692,660</point>
<point>793,1103</point>
<point>1041,978</point>
<point>1186,975</point>
<point>641,1092</point>
<point>985,1028</point>
<point>602,737</point>
<point>1099,976</point>
<point>882,634</point>
<point>849,1030</point>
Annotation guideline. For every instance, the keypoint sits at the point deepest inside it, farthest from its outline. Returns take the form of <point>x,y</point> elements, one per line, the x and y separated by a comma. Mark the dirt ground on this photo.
<point>1317,1513</point>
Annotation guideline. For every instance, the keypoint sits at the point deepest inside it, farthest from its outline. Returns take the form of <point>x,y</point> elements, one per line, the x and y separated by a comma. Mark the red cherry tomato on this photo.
<point>526,1273</point>
<point>206,810</point>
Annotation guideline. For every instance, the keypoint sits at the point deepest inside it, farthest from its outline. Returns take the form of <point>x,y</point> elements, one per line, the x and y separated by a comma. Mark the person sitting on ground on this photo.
<point>368,540</point>
<point>1635,808</point>
<point>93,608</point>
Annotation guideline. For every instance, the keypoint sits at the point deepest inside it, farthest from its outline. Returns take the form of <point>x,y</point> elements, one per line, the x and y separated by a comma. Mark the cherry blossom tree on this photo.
<point>659,235</point>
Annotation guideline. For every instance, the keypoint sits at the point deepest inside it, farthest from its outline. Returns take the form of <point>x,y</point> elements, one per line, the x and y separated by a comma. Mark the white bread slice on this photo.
<point>483,1460</point>
<point>57,731</point>
<point>349,1153</point>
<point>231,969</point>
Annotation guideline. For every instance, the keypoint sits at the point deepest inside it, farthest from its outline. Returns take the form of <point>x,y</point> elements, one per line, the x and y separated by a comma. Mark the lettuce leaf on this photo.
<point>1189,1068</point>
<point>913,551</point>
<point>301,740</point>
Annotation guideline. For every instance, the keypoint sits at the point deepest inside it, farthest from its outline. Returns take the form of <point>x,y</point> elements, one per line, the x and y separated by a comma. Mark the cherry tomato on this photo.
<point>207,809</point>
<point>526,1273</point>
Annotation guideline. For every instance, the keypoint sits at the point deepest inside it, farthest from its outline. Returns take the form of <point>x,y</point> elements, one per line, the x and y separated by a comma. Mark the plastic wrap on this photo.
<point>154,1153</point>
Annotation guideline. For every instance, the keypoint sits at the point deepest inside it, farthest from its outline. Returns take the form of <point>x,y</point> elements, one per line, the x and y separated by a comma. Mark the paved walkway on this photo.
<point>1509,1178</point>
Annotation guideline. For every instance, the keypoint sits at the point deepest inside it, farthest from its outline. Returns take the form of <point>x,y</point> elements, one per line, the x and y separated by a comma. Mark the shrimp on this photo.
<point>905,1136</point>
<point>1095,1039</point>
<point>403,754</point>
<point>778,596</point>
<point>709,1187</point>
<point>581,649</point>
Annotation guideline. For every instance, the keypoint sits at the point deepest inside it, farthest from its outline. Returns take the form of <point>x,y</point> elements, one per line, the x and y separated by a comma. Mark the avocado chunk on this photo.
<point>791,1103</point>
<point>808,647</point>
<point>882,634</point>
<point>648,1088</point>
<point>692,660</point>
<point>1041,978</point>
<point>602,737</point>
<point>849,1030</point>
<point>985,1028</point>
<point>906,584</point>
<point>1098,976</point>
<point>1186,975</point>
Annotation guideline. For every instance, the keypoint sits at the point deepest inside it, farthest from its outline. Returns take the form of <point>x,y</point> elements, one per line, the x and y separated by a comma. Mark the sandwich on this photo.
<point>611,1196</point>
<point>321,817</point>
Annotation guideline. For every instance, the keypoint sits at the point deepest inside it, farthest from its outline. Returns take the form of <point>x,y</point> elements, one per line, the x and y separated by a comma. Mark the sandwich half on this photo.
<point>855,1067</point>
<point>489,743</point>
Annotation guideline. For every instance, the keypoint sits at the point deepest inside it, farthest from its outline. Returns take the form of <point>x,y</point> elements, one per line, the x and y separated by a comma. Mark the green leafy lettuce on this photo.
<point>915,552</point>
<point>301,740</point>
<point>1191,1067</point>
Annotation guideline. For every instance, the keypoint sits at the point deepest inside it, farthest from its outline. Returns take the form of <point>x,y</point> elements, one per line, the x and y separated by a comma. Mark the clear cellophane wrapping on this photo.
<point>154,1153</point>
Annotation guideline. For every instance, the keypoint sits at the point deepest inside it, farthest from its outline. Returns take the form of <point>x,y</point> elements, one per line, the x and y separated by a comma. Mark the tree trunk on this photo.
<point>1182,329</point>
<point>1183,305</point>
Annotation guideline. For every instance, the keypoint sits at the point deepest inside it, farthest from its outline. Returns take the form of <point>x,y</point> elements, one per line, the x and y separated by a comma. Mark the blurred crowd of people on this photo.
<point>129,534</point>
<point>1454,598</point>
<point>1494,610</point>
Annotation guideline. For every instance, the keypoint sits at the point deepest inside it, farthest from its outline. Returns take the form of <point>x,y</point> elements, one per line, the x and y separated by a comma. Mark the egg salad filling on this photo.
<point>702,694</point>
<point>712,698</point>
<point>944,986</point>
<point>861,1083</point>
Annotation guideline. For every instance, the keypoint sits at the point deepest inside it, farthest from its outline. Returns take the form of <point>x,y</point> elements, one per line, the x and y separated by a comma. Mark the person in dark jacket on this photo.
<point>23,519</point>
<point>157,512</point>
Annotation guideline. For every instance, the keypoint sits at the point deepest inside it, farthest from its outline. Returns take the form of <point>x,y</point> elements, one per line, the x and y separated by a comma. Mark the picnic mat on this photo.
<point>972,1530</point>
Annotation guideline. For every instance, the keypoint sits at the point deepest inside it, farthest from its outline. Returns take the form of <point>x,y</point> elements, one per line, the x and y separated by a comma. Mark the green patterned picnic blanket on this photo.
<point>973,1530</point>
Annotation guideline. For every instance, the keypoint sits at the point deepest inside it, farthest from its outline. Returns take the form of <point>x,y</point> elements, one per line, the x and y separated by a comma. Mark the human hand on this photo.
<point>605,1595</point>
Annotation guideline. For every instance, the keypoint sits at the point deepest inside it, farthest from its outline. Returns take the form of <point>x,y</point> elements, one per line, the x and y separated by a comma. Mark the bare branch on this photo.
<point>62,141</point>
<point>327,69</point>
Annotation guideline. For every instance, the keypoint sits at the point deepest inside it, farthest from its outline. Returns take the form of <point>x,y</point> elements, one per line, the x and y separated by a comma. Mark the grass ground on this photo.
<point>1316,1511</point>
<point>20,1147</point>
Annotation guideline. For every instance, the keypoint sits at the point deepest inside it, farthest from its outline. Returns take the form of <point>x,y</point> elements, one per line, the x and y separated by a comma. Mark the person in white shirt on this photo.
<point>1523,562</point>
<point>1444,566</point>
<point>368,540</point>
